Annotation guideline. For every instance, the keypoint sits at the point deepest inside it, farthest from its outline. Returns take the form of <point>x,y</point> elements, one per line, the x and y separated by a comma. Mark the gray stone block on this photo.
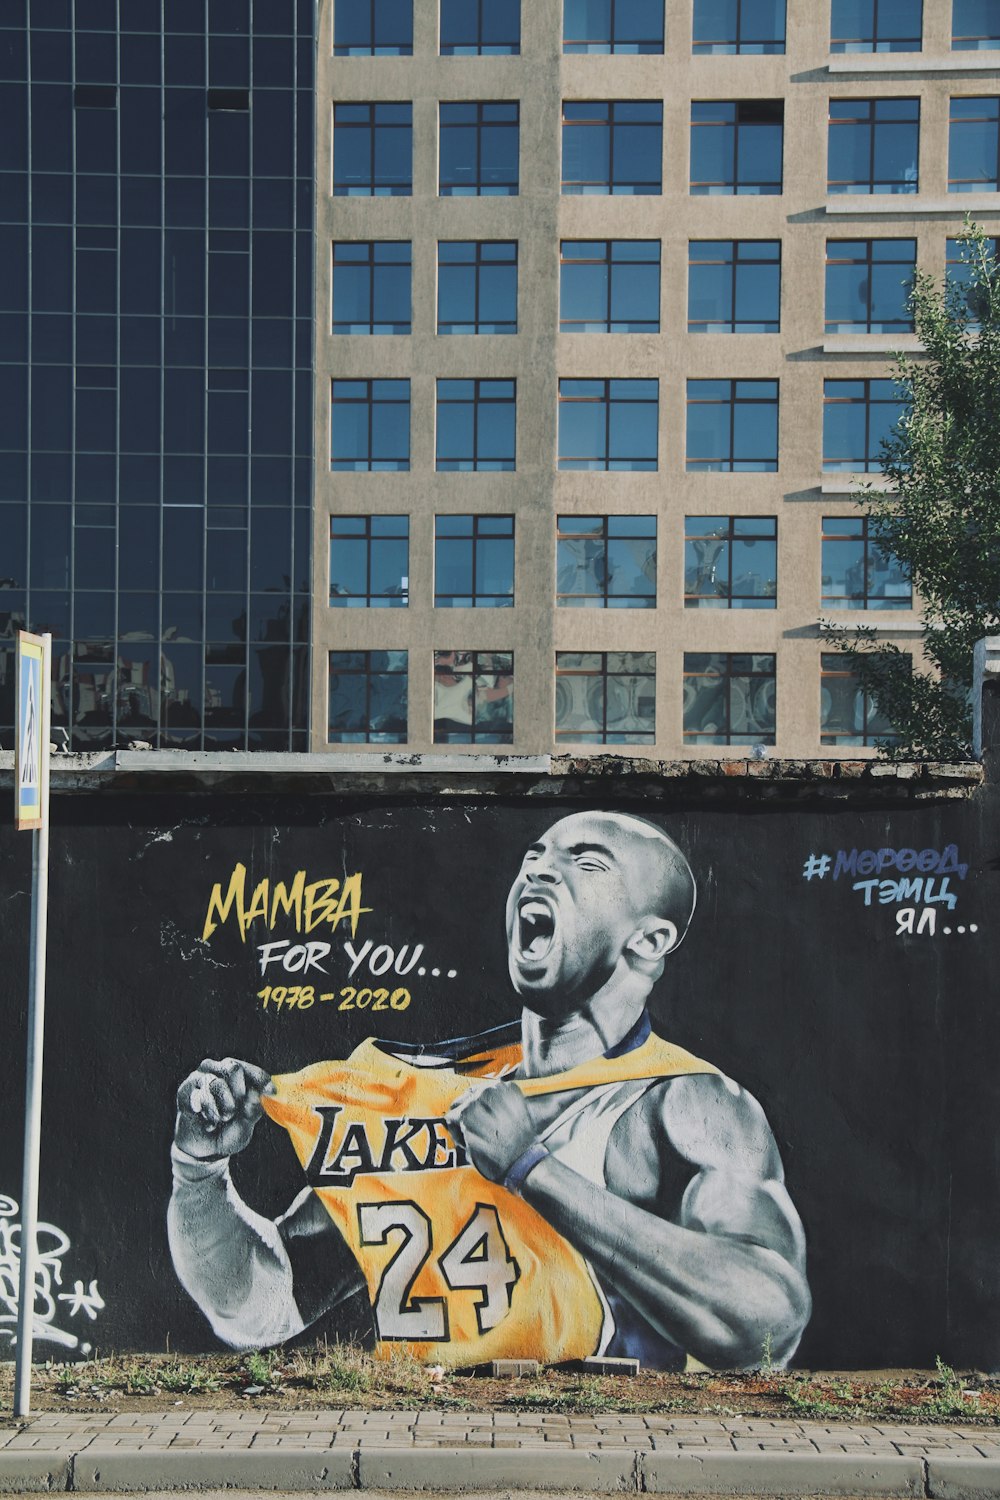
<point>497,1468</point>
<point>771,1473</point>
<point>963,1478</point>
<point>601,1364</point>
<point>504,1367</point>
<point>26,1471</point>
<point>200,1468</point>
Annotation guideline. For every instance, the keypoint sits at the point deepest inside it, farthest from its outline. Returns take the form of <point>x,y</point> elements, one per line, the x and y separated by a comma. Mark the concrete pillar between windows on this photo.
<point>986,699</point>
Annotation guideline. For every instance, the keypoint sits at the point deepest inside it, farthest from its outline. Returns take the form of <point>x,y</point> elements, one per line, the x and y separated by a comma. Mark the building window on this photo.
<point>873,145</point>
<point>730,562</point>
<point>876,25</point>
<point>975,26</point>
<point>732,426</point>
<point>857,572</point>
<point>612,146</point>
<point>613,26</point>
<point>729,699</point>
<point>609,286</point>
<point>868,285</point>
<point>736,146</point>
<point>477,286</point>
<point>479,150</point>
<point>474,562</point>
<point>858,415</point>
<point>370,426</point>
<point>959,271</point>
<point>734,286</point>
<point>473,697</point>
<point>608,424</point>
<point>606,562</point>
<point>606,697</point>
<point>373,28</point>
<point>974,146</point>
<point>729,26</point>
<point>476,426</point>
<point>372,150</point>
<point>369,562</point>
<point>480,28</point>
<point>849,714</point>
<point>367,697</point>
<point>371,286</point>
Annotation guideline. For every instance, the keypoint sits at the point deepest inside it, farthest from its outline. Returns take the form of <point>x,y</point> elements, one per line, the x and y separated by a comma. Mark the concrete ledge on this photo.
<point>98,1470</point>
<point>962,1478</point>
<point>771,1473</point>
<point>498,1468</point>
<point>23,1472</point>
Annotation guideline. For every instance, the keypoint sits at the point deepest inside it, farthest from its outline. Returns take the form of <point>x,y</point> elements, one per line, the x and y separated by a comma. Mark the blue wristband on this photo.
<point>517,1175</point>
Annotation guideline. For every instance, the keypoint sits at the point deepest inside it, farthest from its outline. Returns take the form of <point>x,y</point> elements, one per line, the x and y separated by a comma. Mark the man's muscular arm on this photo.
<point>233,1262</point>
<point>724,1275</point>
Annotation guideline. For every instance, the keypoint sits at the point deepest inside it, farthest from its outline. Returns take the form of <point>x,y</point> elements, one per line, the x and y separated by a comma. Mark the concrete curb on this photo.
<point>96,1470</point>
<point>781,1474</point>
<point>962,1479</point>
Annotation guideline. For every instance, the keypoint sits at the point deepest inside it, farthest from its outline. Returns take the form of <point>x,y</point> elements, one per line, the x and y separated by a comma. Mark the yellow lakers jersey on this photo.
<point>458,1268</point>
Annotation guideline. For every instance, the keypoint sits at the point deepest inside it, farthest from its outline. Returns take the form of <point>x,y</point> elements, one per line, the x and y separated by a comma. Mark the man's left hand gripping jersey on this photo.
<point>457,1267</point>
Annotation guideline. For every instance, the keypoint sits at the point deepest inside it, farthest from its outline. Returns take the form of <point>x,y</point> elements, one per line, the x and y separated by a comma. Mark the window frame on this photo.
<point>870,187</point>
<point>624,266</point>
<point>736,186</point>
<point>736,263</point>
<point>735,47</point>
<point>960,185</point>
<point>611,186</point>
<point>368,736</point>
<point>732,464</point>
<point>874,43</point>
<point>376,327</point>
<point>870,736</point>
<point>581,463</point>
<point>732,537</point>
<point>481,49</point>
<point>474,597</point>
<point>374,50</point>
<point>957,270</point>
<point>475,465</point>
<point>603,540</point>
<point>872,464</point>
<point>729,736</point>
<point>375,189</point>
<point>973,41</point>
<point>903,324</point>
<point>870,549</point>
<point>478,188</point>
<point>603,674</point>
<point>373,465</point>
<point>369,599</point>
<point>650,47</point>
<point>479,263</point>
<point>475,734</point>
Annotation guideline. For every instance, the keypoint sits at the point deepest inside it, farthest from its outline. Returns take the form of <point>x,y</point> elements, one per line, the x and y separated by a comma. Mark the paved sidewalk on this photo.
<point>449,1451</point>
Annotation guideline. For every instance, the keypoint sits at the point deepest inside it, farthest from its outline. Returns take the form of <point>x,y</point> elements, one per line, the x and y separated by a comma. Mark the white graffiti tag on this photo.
<point>52,1246</point>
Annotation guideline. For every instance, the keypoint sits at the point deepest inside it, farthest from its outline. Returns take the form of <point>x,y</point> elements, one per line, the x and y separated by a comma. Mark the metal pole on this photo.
<point>33,1081</point>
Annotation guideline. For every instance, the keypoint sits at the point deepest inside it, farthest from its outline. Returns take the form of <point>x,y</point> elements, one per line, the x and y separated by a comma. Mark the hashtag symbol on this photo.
<point>816,864</point>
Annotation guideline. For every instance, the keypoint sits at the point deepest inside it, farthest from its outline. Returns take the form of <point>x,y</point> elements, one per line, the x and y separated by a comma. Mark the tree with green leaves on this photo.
<point>940,516</point>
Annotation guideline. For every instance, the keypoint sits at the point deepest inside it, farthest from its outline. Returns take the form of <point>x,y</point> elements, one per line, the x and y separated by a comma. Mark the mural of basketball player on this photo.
<point>567,1185</point>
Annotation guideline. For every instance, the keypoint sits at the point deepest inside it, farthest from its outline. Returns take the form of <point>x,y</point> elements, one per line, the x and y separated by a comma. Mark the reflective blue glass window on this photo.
<point>367,697</point>
<point>730,562</point>
<point>479,149</point>
<point>372,150</point>
<point>857,572</point>
<point>371,286</point>
<point>612,146</point>
<point>603,26</point>
<point>858,415</point>
<point>729,699</point>
<point>477,286</point>
<point>369,562</point>
<point>974,146</point>
<point>958,269</point>
<point>609,286</point>
<point>876,25</point>
<point>730,26</point>
<point>732,426</point>
<point>736,147</point>
<point>849,712</point>
<point>373,28</point>
<point>734,286</point>
<point>606,562</point>
<point>476,425</point>
<point>480,28</point>
<point>608,424</point>
<point>606,697</point>
<point>370,425</point>
<point>473,562</point>
<point>975,25</point>
<point>473,697</point>
<point>873,146</point>
<point>868,285</point>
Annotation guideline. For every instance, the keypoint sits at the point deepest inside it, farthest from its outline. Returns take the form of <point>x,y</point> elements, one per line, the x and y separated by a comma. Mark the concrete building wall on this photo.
<point>802,217</point>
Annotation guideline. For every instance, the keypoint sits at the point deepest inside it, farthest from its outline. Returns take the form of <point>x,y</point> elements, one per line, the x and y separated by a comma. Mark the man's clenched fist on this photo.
<point>218,1106</point>
<point>495,1125</point>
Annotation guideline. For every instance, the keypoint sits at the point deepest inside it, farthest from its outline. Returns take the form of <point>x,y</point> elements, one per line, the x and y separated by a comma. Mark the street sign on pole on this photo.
<point>31,791</point>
